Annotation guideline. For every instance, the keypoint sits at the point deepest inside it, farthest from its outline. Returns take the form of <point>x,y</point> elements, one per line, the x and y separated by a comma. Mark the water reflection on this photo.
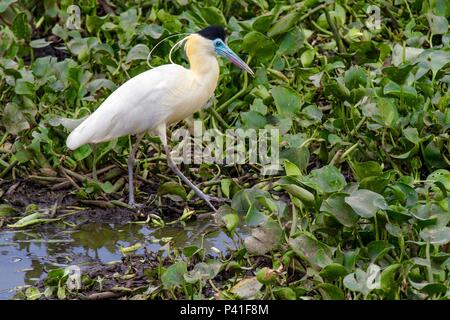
<point>26,255</point>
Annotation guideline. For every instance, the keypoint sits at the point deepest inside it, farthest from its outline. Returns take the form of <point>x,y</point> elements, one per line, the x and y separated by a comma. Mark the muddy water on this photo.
<point>26,255</point>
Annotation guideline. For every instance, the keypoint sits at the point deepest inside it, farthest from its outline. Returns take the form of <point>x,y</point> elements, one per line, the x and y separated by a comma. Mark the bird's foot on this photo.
<point>135,205</point>
<point>216,199</point>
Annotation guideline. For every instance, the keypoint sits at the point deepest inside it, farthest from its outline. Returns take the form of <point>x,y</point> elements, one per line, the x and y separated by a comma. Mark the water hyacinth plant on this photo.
<point>359,208</point>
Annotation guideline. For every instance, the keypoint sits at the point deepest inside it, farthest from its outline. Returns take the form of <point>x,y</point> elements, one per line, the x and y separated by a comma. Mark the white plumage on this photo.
<point>157,98</point>
<point>140,104</point>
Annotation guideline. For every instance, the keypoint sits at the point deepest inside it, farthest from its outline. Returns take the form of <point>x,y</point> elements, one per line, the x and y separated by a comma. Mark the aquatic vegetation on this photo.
<point>358,91</point>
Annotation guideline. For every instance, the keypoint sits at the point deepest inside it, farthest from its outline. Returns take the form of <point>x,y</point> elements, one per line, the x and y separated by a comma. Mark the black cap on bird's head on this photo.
<point>218,35</point>
<point>213,32</point>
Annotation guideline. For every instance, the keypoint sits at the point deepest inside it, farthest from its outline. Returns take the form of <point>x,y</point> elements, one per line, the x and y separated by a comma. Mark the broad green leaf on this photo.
<point>440,236</point>
<point>259,46</point>
<point>387,278</point>
<point>286,100</point>
<point>377,249</point>
<point>231,221</point>
<point>203,271</point>
<point>330,292</point>
<point>442,176</point>
<point>307,57</point>
<point>366,203</point>
<point>336,206</point>
<point>284,24</point>
<point>138,52</point>
<point>13,119</point>
<point>329,178</point>
<point>438,24</point>
<point>254,217</point>
<point>20,26</point>
<point>83,152</point>
<point>247,288</point>
<point>355,77</point>
<point>4,4</point>
<point>284,293</point>
<point>316,253</point>
<point>264,238</point>
<point>174,275</point>
<point>333,271</point>
<point>172,189</point>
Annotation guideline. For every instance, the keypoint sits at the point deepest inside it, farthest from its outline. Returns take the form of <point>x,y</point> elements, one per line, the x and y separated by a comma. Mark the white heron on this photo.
<point>154,99</point>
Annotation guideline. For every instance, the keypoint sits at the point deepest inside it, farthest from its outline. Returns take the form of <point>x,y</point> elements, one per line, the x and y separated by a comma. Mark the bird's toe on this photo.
<point>135,204</point>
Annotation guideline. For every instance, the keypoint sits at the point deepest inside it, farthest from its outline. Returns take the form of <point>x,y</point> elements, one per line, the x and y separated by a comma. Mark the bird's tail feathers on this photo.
<point>69,124</point>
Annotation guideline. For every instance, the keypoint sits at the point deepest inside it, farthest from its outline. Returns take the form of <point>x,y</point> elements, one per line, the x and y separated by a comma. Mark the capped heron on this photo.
<point>156,98</point>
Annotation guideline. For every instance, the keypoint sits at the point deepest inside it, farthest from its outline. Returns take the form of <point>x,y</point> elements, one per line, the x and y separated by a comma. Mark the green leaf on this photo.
<point>253,120</point>
<point>262,23</point>
<point>153,30</point>
<point>174,275</point>
<point>377,249</point>
<point>291,169</point>
<point>284,293</point>
<point>333,271</point>
<point>40,43</point>
<point>366,169</point>
<point>284,24</point>
<point>4,4</point>
<point>336,206</point>
<point>433,154</point>
<point>439,236</point>
<point>243,199</point>
<point>264,238</point>
<point>24,87</point>
<point>203,271</point>
<point>298,156</point>
<point>213,16</point>
<point>254,217</point>
<point>387,278</point>
<point>442,176</point>
<point>316,253</point>
<point>138,52</point>
<point>307,57</point>
<point>20,26</point>
<point>329,178</point>
<point>172,189</point>
<point>231,221</point>
<point>13,119</point>
<point>330,292</point>
<point>292,42</point>
<point>366,203</point>
<point>247,288</point>
<point>296,191</point>
<point>355,77</point>
<point>31,219</point>
<point>287,100</point>
<point>438,24</point>
<point>83,152</point>
<point>33,293</point>
<point>259,46</point>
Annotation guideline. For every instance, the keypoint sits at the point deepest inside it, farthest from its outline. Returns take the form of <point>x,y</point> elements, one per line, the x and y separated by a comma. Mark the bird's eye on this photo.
<point>217,43</point>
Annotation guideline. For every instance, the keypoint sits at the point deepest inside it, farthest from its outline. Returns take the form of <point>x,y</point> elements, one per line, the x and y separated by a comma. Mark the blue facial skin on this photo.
<point>223,50</point>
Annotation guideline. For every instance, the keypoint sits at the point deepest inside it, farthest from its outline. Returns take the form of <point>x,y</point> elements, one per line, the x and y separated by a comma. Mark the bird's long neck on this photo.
<point>203,64</point>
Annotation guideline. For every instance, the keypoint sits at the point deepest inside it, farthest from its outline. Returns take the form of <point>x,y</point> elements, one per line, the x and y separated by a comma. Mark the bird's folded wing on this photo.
<point>138,105</point>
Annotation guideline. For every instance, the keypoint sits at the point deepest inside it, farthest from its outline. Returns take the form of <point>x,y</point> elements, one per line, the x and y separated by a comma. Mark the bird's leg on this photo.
<point>94,163</point>
<point>131,160</point>
<point>175,169</point>
<point>160,130</point>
